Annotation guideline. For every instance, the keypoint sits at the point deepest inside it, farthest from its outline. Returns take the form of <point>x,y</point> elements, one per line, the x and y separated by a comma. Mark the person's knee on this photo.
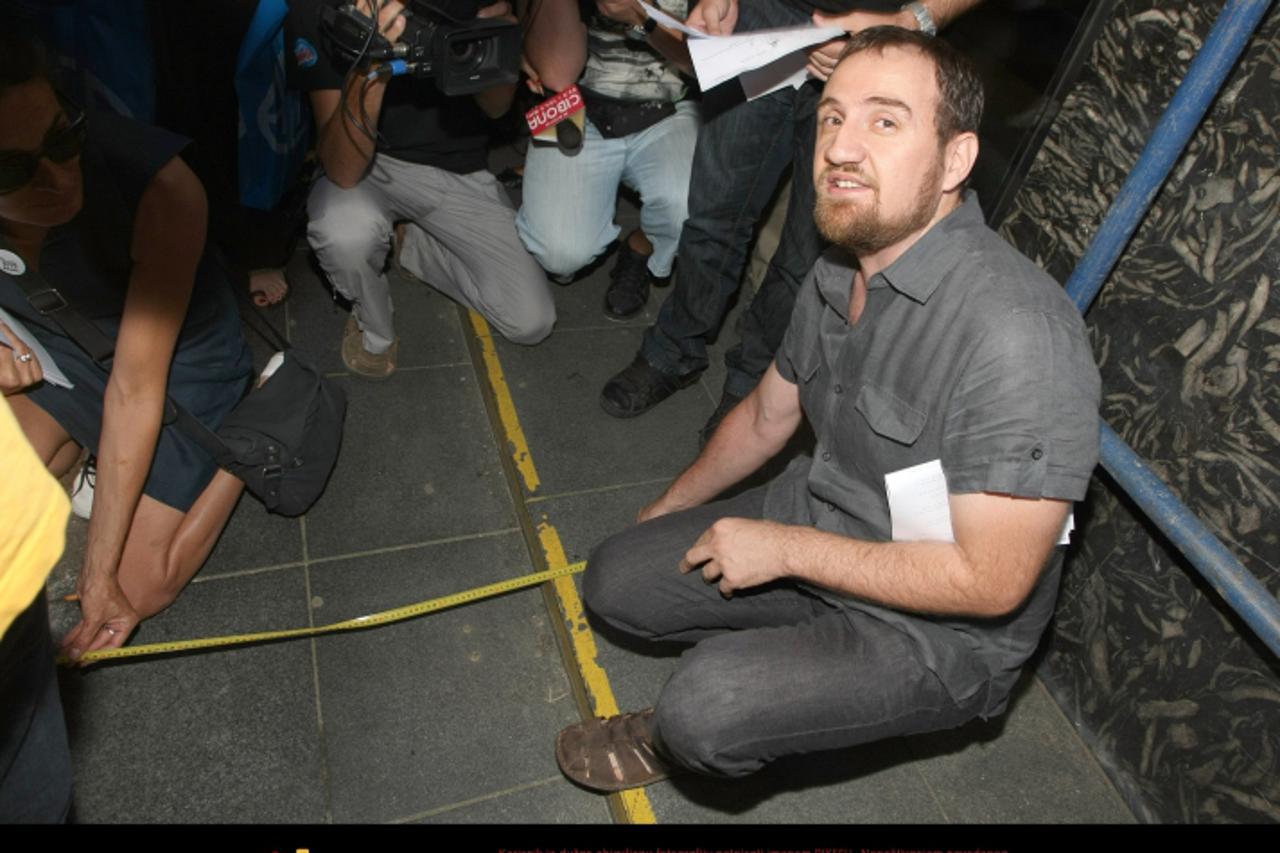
<point>344,243</point>
<point>701,714</point>
<point>671,205</point>
<point>533,327</point>
<point>530,319</point>
<point>607,590</point>
<point>559,254</point>
<point>564,258</point>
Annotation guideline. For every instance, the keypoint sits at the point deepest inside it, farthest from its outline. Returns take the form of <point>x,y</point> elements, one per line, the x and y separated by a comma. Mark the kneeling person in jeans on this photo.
<point>920,337</point>
<point>640,132</point>
<point>426,168</point>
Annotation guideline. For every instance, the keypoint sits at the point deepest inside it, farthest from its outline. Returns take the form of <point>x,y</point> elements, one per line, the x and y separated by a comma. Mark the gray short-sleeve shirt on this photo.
<point>965,352</point>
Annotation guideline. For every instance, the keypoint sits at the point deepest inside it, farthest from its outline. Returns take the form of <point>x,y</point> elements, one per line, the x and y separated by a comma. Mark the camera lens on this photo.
<point>466,55</point>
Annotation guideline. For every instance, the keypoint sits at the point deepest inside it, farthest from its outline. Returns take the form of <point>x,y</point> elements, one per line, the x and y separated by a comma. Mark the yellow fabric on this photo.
<point>33,520</point>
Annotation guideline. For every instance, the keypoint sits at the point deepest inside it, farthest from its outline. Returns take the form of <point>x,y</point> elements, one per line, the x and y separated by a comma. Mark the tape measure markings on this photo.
<point>370,620</point>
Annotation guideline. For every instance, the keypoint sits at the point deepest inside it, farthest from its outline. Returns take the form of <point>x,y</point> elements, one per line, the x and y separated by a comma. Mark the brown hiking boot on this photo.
<point>362,362</point>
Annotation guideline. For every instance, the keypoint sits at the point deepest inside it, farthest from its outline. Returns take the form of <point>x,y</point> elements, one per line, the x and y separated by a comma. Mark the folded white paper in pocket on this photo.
<point>919,509</point>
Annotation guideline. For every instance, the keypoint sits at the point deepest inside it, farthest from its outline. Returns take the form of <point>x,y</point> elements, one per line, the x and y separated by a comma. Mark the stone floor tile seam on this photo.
<point>933,794</point>
<point>612,327</point>
<point>613,487</point>
<point>247,573</point>
<point>1084,747</point>
<point>481,798</point>
<point>412,546</point>
<point>416,368</point>
<point>642,324</point>
<point>327,786</point>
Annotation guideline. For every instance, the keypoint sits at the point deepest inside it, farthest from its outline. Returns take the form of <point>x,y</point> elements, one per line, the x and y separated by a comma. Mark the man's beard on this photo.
<point>863,231</point>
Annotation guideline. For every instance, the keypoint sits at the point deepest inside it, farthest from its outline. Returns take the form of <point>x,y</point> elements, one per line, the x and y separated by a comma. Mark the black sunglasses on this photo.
<point>61,144</point>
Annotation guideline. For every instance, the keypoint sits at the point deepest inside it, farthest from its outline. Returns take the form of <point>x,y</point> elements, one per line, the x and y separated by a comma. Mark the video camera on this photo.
<point>442,40</point>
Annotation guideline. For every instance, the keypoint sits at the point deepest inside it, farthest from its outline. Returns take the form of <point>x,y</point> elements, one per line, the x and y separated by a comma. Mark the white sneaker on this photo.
<point>82,488</point>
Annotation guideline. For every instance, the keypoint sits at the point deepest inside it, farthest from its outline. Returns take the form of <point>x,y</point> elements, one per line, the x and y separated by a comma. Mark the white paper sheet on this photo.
<point>669,22</point>
<point>52,373</point>
<point>765,60</point>
<point>720,58</point>
<point>919,509</point>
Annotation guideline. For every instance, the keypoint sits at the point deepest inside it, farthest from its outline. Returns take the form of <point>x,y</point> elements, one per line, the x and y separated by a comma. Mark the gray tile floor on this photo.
<point>450,718</point>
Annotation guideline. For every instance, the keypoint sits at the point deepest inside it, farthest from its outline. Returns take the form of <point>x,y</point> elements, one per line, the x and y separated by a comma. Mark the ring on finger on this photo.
<point>23,357</point>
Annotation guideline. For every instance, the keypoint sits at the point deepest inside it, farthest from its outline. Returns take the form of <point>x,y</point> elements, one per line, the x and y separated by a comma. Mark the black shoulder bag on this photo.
<point>282,439</point>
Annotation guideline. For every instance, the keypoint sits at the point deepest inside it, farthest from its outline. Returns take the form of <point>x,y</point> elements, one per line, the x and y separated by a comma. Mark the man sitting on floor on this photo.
<point>921,337</point>
<point>397,149</point>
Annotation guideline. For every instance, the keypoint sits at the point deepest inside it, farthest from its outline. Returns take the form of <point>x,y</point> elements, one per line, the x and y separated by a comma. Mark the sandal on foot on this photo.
<point>611,753</point>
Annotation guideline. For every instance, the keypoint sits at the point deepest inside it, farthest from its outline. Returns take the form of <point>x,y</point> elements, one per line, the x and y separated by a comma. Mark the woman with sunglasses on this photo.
<point>107,214</point>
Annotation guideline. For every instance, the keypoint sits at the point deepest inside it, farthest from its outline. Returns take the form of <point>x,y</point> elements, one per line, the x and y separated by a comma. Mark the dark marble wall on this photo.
<point>1181,703</point>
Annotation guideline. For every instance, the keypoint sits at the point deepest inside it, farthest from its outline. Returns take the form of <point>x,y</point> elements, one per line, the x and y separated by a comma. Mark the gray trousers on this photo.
<point>775,670</point>
<point>461,238</point>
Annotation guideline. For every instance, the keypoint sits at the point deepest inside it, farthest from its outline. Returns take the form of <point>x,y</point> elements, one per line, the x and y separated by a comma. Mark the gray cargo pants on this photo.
<point>461,238</point>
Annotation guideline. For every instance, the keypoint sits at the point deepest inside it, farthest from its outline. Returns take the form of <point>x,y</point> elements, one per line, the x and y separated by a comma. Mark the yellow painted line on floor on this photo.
<point>635,802</point>
<point>518,445</point>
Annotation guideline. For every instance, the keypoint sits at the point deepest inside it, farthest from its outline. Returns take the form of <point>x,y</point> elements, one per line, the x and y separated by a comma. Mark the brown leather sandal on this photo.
<point>611,753</point>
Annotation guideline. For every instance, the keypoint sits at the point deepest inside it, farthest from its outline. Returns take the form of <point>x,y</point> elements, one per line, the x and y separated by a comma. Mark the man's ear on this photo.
<point>961,153</point>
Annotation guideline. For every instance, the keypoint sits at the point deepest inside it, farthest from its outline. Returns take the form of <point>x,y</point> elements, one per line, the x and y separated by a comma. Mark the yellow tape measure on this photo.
<point>386,617</point>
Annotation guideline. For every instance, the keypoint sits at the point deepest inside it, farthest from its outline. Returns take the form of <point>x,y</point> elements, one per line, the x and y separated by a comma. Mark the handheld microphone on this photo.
<point>559,120</point>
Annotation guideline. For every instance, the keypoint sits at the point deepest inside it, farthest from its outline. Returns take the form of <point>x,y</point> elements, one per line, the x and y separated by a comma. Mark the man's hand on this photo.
<point>623,11</point>
<point>19,367</point>
<point>391,21</point>
<point>106,618</point>
<point>823,58</point>
<point>714,17</point>
<point>740,553</point>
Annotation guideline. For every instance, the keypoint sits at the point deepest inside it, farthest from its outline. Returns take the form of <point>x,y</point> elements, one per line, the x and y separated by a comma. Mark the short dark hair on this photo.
<point>959,87</point>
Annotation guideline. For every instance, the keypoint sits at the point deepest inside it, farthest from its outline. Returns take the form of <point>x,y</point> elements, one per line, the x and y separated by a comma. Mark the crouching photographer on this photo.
<point>402,117</point>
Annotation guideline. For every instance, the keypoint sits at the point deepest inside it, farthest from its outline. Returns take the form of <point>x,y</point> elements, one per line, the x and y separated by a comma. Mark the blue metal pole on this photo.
<point>1230,33</point>
<point>1235,583</point>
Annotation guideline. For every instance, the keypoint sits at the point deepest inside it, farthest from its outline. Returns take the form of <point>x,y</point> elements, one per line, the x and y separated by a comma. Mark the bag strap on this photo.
<point>49,302</point>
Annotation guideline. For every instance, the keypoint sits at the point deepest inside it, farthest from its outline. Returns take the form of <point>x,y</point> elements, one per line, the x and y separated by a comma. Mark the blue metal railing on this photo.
<point>1237,585</point>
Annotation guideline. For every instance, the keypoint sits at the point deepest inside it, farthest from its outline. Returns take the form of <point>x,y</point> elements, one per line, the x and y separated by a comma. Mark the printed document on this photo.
<point>751,55</point>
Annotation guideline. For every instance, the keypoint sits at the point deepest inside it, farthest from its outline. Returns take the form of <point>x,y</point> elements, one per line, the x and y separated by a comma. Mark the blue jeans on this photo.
<point>740,158</point>
<point>566,220</point>
<point>776,670</point>
<point>35,760</point>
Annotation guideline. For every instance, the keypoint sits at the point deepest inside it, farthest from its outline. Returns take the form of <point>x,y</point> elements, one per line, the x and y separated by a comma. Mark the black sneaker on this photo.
<point>728,402</point>
<point>629,291</point>
<point>639,388</point>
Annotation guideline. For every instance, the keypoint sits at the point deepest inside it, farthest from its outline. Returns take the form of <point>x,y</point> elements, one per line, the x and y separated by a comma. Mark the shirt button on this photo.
<point>1036,454</point>
<point>826,456</point>
<point>839,389</point>
<point>831,507</point>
